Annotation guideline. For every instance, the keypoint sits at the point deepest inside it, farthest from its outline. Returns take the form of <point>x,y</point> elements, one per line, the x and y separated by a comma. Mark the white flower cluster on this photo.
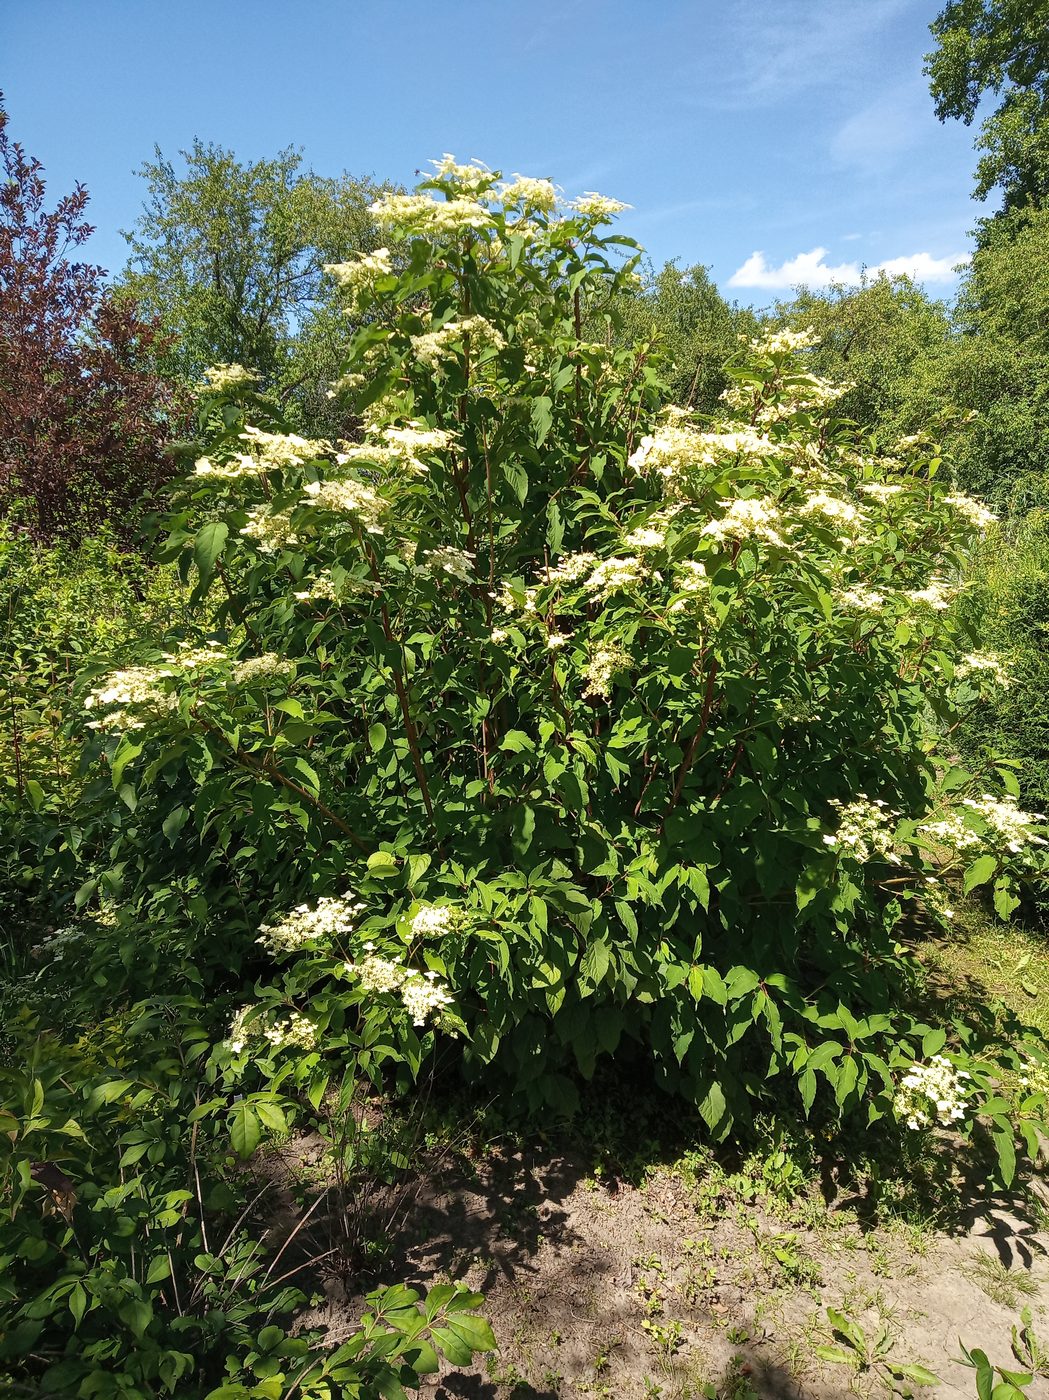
<point>983,663</point>
<point>55,945</point>
<point>130,697</point>
<point>436,920</point>
<point>747,518</point>
<point>645,538</point>
<point>785,342</point>
<point>607,662</point>
<point>860,598</point>
<point>1017,829</point>
<point>556,640</point>
<point>297,1032</point>
<point>364,271</point>
<point>240,464</point>
<point>931,1094</point>
<point>937,594</point>
<point>424,996</point>
<point>221,378</point>
<point>866,829</point>
<point>597,207</point>
<point>276,450</point>
<point>974,512</point>
<point>882,491</point>
<point>258,670</point>
<point>529,194</point>
<point>401,447</point>
<point>271,530</point>
<point>676,450</point>
<point>472,176</point>
<point>422,993</point>
<point>1035,1078</point>
<point>327,919</point>
<point>613,575</point>
<point>446,559</point>
<point>691,578</point>
<point>319,590</point>
<point>406,214</point>
<point>820,503</point>
<point>191,658</point>
<point>433,347</point>
<point>571,568</point>
<point>346,496</point>
<point>951,831</point>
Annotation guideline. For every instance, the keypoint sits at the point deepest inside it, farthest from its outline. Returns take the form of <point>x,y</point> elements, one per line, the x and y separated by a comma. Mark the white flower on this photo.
<point>607,662</point>
<point>613,575</point>
<point>881,490</point>
<point>645,538</point>
<point>328,918</point>
<point>377,974</point>
<point>347,497</point>
<point>597,207</point>
<point>985,663</point>
<point>972,510</point>
<point>433,347</point>
<point>436,920</point>
<point>747,518</point>
<point>866,829</point>
<point>931,1094</point>
<point>936,594</point>
<point>538,195</point>
<point>257,670</point>
<point>459,563</point>
<point>130,697</point>
<point>861,598</point>
<point>784,342</point>
<point>572,567</point>
<point>270,529</point>
<point>423,995</point>
<point>1003,816</point>
<point>364,271</point>
<point>556,640</point>
<point>820,503</point>
<point>220,378</point>
<point>421,214</point>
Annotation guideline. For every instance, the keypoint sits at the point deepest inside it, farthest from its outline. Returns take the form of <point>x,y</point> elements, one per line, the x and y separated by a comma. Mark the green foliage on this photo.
<point>998,47</point>
<point>1012,1384</point>
<point>618,730</point>
<point>686,317</point>
<point>230,256</point>
<point>887,340</point>
<point>1009,605</point>
<point>872,1354</point>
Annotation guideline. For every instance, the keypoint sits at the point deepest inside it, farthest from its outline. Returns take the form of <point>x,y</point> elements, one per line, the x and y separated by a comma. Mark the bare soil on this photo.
<point>688,1285</point>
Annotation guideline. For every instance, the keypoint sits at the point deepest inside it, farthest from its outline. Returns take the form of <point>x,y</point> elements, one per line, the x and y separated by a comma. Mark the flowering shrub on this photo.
<point>620,725</point>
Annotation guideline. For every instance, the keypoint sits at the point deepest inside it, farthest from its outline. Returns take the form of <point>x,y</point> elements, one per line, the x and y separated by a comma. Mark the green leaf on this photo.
<point>542,419</point>
<point>979,872</point>
<point>245,1130</point>
<point>208,545</point>
<point>376,737</point>
<point>174,822</point>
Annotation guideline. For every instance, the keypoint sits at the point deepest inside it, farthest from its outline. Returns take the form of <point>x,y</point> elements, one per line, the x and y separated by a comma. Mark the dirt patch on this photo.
<point>681,1288</point>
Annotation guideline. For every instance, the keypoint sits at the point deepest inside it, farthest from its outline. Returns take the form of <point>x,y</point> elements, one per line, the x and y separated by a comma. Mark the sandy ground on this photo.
<point>681,1288</point>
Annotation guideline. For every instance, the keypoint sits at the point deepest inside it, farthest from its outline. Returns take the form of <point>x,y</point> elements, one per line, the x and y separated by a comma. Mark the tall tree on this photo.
<point>998,48</point>
<point>230,256</point>
<point>885,338</point>
<point>83,412</point>
<point>683,311</point>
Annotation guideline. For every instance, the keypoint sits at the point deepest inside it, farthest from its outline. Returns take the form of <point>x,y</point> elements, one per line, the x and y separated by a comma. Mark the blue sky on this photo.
<point>769,139</point>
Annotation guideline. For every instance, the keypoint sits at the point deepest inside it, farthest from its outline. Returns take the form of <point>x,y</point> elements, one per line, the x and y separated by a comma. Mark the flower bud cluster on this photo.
<point>866,829</point>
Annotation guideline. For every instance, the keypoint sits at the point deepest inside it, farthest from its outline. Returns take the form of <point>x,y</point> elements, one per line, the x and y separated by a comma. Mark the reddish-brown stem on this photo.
<point>693,744</point>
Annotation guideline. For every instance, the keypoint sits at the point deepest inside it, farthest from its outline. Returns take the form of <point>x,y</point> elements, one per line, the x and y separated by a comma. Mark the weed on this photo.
<point>1001,1284</point>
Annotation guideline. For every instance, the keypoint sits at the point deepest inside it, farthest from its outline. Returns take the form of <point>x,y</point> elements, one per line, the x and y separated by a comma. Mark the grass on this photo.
<point>1002,1284</point>
<point>1002,961</point>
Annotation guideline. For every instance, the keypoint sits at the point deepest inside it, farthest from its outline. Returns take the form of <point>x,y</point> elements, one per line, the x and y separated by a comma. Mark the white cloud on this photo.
<point>812,270</point>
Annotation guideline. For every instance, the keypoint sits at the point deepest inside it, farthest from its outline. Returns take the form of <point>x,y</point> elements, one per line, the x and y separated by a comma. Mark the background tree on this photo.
<point>683,311</point>
<point>83,411</point>
<point>1001,48</point>
<point>887,339</point>
<point>230,256</point>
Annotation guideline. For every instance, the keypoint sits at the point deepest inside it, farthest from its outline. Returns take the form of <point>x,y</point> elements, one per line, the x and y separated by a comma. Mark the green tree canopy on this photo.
<point>685,314</point>
<point>230,256</point>
<point>1001,48</point>
<point>884,338</point>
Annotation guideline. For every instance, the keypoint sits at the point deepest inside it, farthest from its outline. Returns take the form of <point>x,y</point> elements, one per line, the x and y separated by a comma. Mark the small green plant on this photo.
<point>1028,1351</point>
<point>1002,1284</point>
<point>871,1356</point>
